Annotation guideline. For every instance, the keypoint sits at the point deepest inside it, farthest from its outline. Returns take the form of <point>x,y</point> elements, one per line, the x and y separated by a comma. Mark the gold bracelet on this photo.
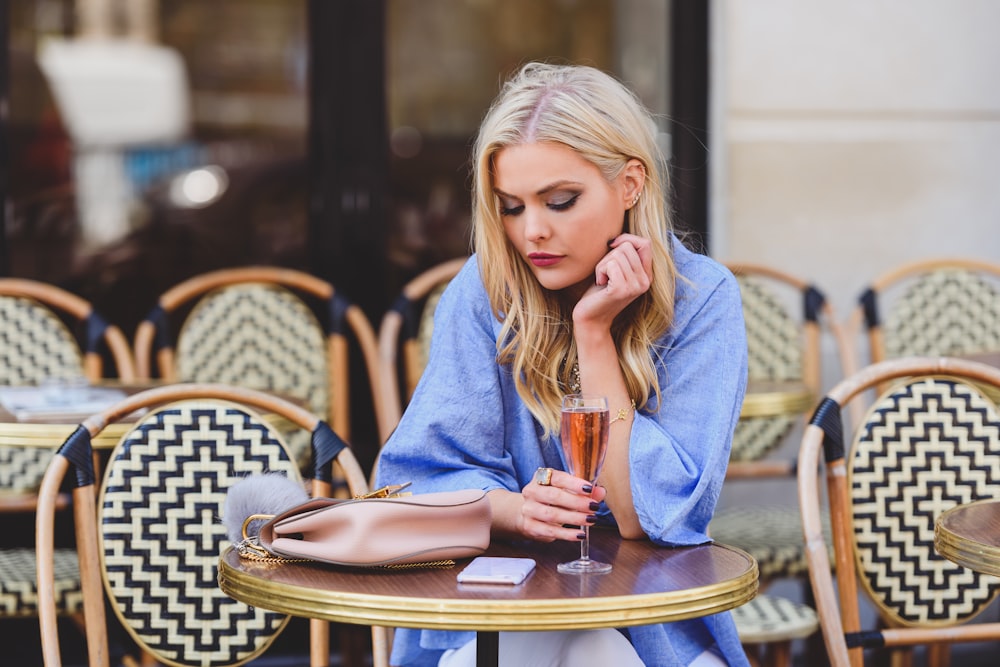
<point>622,413</point>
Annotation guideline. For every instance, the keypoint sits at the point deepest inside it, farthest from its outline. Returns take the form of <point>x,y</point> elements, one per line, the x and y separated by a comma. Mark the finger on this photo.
<point>570,530</point>
<point>542,532</point>
<point>628,255</point>
<point>625,254</point>
<point>636,242</point>
<point>643,247</point>
<point>574,497</point>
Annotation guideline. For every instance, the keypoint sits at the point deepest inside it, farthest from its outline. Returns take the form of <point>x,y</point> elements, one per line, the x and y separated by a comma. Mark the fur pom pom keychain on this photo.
<point>252,502</point>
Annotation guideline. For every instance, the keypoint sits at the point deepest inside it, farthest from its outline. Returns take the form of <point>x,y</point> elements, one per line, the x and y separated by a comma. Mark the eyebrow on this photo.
<point>548,188</point>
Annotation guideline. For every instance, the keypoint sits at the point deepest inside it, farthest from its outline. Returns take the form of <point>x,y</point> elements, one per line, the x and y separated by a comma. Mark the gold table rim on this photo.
<point>793,400</point>
<point>977,556</point>
<point>479,614</point>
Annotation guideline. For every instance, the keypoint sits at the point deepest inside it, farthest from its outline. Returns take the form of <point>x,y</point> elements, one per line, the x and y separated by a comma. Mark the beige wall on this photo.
<point>852,136</point>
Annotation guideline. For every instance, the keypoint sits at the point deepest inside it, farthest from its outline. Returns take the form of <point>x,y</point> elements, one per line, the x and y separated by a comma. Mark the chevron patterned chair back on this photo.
<point>929,442</point>
<point>266,328</point>
<point>404,340</point>
<point>933,307</point>
<point>154,535</point>
<point>45,332</point>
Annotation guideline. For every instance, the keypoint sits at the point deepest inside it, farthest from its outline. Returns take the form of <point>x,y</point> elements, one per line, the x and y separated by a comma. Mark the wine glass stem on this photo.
<point>585,544</point>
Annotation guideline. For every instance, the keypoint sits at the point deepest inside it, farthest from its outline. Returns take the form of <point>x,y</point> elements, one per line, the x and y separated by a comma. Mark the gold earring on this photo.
<point>635,200</point>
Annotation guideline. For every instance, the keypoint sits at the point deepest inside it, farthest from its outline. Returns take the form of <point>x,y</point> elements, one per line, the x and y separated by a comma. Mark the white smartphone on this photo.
<point>494,570</point>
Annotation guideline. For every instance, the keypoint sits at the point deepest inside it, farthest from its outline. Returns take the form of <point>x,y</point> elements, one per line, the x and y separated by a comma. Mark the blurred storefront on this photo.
<point>148,141</point>
<point>152,140</point>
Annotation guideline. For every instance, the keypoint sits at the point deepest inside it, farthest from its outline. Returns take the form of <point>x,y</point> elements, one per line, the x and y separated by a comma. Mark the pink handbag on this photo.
<point>379,532</point>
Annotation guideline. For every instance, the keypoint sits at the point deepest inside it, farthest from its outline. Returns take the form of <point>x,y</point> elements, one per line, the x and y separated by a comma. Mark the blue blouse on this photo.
<point>466,427</point>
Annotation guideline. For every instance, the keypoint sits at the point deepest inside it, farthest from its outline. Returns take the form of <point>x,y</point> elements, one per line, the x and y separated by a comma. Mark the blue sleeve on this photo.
<point>679,453</point>
<point>465,420</point>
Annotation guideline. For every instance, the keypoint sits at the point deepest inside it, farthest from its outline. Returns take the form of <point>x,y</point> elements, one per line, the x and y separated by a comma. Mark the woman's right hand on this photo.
<point>548,509</point>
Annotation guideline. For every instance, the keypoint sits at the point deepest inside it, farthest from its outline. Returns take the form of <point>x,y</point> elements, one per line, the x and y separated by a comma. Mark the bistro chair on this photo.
<point>46,333</point>
<point>930,441</point>
<point>931,307</point>
<point>153,533</point>
<point>786,319</point>
<point>404,339</point>
<point>266,328</point>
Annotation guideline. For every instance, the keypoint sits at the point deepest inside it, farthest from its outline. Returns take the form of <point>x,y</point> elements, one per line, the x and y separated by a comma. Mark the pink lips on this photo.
<point>544,259</point>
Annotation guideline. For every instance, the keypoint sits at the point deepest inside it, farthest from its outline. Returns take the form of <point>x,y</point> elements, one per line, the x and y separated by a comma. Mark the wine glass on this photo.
<point>584,437</point>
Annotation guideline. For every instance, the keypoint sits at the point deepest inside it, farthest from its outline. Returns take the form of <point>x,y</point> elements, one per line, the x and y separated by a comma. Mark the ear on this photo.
<point>634,178</point>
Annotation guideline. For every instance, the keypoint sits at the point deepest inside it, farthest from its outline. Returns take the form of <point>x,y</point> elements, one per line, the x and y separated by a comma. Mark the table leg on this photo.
<point>487,649</point>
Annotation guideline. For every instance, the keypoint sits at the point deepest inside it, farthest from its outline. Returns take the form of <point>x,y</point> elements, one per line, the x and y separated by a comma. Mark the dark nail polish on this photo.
<point>595,506</point>
<point>581,536</point>
<point>587,488</point>
<point>592,518</point>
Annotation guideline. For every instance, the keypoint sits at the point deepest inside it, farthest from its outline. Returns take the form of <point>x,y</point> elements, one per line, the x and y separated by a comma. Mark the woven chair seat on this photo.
<point>19,584</point>
<point>769,618</point>
<point>770,533</point>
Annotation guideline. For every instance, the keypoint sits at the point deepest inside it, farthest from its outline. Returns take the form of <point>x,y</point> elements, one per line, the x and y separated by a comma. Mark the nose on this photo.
<point>536,227</point>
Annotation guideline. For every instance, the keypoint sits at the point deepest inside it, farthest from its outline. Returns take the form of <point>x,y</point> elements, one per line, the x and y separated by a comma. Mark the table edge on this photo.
<point>491,614</point>
<point>971,554</point>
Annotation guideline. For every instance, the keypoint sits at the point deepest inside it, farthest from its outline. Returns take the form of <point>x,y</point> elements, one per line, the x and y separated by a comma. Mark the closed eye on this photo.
<point>564,205</point>
<point>512,210</point>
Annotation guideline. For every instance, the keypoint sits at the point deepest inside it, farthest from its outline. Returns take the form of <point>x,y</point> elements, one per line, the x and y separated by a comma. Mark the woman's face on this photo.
<point>558,210</point>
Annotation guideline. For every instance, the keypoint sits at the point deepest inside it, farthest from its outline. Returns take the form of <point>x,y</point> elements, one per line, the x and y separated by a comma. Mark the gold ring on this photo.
<point>543,476</point>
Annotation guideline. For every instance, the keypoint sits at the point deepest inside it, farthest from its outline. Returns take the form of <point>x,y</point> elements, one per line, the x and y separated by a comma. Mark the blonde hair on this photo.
<point>605,123</point>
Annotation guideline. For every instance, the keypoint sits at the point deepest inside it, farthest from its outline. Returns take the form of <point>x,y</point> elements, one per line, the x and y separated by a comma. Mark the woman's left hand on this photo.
<point>621,276</point>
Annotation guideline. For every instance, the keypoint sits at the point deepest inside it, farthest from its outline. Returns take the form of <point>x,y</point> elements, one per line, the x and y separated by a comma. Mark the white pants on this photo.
<point>574,648</point>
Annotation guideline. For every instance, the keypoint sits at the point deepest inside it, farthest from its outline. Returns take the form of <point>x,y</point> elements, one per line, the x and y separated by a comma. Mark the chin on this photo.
<point>566,285</point>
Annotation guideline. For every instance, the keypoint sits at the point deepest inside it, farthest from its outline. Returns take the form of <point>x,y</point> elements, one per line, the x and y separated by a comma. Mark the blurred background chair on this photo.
<point>267,328</point>
<point>404,339</point>
<point>787,322</point>
<point>929,442</point>
<point>154,533</point>
<point>46,333</point>
<point>932,307</point>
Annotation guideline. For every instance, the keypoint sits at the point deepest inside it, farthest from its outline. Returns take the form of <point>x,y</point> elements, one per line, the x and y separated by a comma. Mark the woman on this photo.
<point>578,283</point>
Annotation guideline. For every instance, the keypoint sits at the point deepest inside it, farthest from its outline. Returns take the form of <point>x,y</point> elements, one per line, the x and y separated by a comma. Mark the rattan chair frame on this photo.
<point>85,512</point>
<point>338,345</point>
<point>838,605</point>
<point>398,356</point>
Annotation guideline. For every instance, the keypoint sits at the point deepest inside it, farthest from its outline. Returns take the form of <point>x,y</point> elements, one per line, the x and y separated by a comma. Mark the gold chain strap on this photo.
<point>250,549</point>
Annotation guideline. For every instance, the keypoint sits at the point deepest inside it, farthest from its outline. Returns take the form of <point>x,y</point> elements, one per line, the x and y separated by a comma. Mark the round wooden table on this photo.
<point>649,584</point>
<point>970,536</point>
